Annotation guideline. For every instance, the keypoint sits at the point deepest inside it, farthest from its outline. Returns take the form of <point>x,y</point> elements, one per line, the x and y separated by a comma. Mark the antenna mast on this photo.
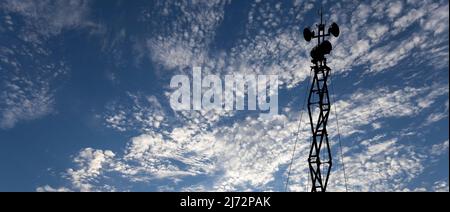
<point>320,159</point>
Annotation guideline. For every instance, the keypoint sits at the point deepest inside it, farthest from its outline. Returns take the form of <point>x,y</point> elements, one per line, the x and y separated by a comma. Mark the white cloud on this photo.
<point>154,155</point>
<point>48,188</point>
<point>24,103</point>
<point>376,125</point>
<point>27,83</point>
<point>381,165</point>
<point>439,149</point>
<point>184,42</point>
<point>435,117</point>
<point>189,38</point>
<point>408,19</point>
<point>395,8</point>
<point>142,113</point>
<point>377,44</point>
<point>441,186</point>
<point>91,164</point>
<point>377,32</point>
<point>365,107</point>
<point>49,17</point>
<point>437,23</point>
<point>29,77</point>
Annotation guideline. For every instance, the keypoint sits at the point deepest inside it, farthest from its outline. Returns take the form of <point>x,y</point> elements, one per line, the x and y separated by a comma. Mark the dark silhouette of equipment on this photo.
<point>320,159</point>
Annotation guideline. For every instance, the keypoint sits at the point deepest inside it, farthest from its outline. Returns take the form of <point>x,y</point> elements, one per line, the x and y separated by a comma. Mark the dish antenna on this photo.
<point>307,34</point>
<point>334,29</point>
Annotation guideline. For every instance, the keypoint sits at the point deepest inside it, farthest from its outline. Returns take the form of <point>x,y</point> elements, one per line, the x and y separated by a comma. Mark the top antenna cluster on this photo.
<point>323,46</point>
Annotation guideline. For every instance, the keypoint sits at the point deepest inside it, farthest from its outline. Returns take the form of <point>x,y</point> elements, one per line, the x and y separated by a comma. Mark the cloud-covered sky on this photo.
<point>84,99</point>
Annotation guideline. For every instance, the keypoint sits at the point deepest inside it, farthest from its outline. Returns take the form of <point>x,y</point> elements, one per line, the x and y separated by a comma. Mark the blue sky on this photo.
<point>84,99</point>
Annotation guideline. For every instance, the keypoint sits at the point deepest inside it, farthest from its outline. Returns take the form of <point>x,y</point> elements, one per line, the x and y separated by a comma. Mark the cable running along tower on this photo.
<point>319,106</point>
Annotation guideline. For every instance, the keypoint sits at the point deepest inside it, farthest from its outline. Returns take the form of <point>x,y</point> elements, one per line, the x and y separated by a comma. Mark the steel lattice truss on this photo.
<point>319,159</point>
<point>319,106</point>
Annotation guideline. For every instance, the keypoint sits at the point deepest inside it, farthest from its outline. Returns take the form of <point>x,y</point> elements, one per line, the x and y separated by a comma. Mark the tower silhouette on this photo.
<point>320,158</point>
